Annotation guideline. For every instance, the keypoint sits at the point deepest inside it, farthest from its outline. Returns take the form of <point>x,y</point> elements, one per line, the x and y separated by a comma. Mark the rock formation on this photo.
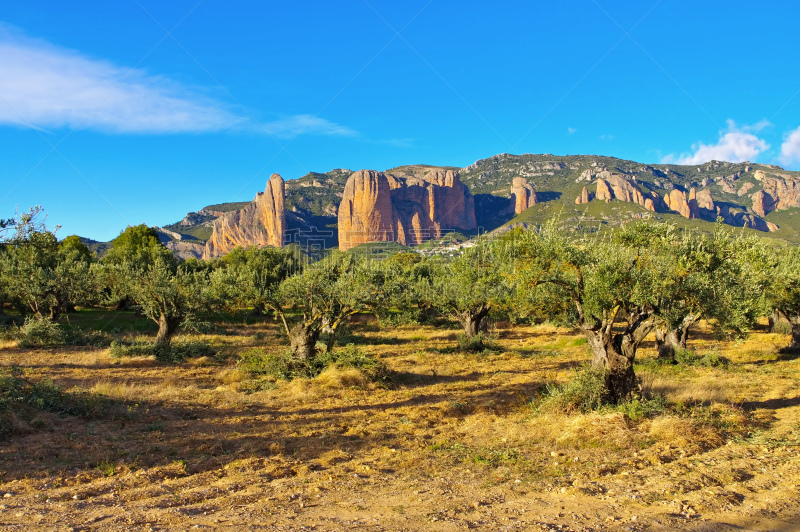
<point>780,192</point>
<point>617,186</point>
<point>523,195</point>
<point>677,201</point>
<point>262,223</point>
<point>585,197</point>
<point>366,213</point>
<point>409,210</point>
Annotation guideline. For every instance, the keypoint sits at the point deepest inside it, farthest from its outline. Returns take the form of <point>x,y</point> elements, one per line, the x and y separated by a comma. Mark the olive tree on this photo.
<point>784,291</point>
<point>163,290</point>
<point>611,285</point>
<point>718,277</point>
<point>248,278</point>
<point>319,298</point>
<point>468,287</point>
<point>42,276</point>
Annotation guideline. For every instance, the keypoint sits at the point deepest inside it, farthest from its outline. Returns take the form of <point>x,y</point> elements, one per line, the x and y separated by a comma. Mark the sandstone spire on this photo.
<point>262,223</point>
<point>523,194</point>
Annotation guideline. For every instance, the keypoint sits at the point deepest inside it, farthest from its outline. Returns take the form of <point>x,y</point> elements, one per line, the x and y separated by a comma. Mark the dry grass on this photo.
<point>450,440</point>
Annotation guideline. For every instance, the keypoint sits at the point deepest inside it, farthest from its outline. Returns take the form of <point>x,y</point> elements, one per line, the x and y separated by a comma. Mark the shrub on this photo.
<point>284,366</point>
<point>587,392</point>
<point>173,353</point>
<point>709,359</point>
<point>40,333</point>
<point>477,343</point>
<point>584,393</point>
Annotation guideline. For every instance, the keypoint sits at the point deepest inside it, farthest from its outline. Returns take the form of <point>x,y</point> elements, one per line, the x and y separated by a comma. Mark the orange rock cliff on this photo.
<point>377,207</point>
<point>262,223</point>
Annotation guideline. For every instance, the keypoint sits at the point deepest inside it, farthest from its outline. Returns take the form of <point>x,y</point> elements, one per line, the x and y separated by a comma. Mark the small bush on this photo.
<point>284,366</point>
<point>477,343</point>
<point>351,357</point>
<point>40,333</point>
<point>173,353</point>
<point>584,393</point>
<point>711,359</point>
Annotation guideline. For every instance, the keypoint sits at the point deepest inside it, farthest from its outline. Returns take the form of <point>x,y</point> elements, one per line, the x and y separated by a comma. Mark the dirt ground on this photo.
<point>453,443</point>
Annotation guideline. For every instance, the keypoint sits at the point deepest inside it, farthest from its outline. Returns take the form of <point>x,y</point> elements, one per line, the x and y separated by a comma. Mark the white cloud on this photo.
<point>292,126</point>
<point>790,149</point>
<point>571,130</point>
<point>46,87</point>
<point>735,145</point>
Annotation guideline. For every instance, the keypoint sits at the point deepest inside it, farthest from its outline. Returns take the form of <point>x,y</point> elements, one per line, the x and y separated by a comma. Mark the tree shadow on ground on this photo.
<point>205,438</point>
<point>772,404</point>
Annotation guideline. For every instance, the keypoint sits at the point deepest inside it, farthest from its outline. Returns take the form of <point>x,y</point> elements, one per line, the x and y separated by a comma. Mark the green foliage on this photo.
<point>39,275</point>
<point>18,395</point>
<point>172,353</point>
<point>249,278</point>
<point>134,245</point>
<point>284,366</point>
<point>40,333</point>
<point>710,359</point>
<point>585,392</point>
<point>481,342</point>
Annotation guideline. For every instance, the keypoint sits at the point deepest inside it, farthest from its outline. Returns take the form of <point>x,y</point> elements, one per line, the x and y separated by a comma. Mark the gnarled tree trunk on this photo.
<point>668,340</point>
<point>472,320</point>
<point>303,339</point>
<point>614,353</point>
<point>166,328</point>
<point>794,346</point>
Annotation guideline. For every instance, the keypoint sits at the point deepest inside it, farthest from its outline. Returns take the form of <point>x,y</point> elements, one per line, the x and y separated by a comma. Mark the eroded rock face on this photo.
<point>184,250</point>
<point>677,201</point>
<point>409,210</point>
<point>366,213</point>
<point>780,192</point>
<point>523,195</point>
<point>584,197</point>
<point>262,223</point>
<point>619,187</point>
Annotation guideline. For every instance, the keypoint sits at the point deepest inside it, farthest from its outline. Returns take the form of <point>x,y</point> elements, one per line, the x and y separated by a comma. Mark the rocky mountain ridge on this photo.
<point>425,201</point>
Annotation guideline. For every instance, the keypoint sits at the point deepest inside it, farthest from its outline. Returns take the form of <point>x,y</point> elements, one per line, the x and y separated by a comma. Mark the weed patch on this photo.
<point>20,398</point>
<point>283,366</point>
<point>173,353</point>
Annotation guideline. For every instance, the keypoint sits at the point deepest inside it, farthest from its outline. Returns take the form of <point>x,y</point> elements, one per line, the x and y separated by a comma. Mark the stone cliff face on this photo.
<point>262,223</point>
<point>410,210</point>
<point>523,195</point>
<point>678,201</point>
<point>780,192</point>
<point>366,213</point>
<point>616,186</point>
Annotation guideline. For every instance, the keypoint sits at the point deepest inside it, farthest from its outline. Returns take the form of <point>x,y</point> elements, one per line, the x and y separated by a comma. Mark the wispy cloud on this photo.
<point>292,126</point>
<point>47,87</point>
<point>736,144</point>
<point>571,130</point>
<point>790,149</point>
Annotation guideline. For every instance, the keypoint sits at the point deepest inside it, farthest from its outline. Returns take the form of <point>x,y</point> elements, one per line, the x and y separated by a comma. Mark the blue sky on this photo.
<point>128,112</point>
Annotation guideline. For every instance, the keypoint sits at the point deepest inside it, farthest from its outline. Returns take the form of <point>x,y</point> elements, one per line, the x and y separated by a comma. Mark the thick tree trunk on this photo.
<point>614,354</point>
<point>166,329</point>
<point>668,340</point>
<point>303,340</point>
<point>473,321</point>
<point>794,346</point>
